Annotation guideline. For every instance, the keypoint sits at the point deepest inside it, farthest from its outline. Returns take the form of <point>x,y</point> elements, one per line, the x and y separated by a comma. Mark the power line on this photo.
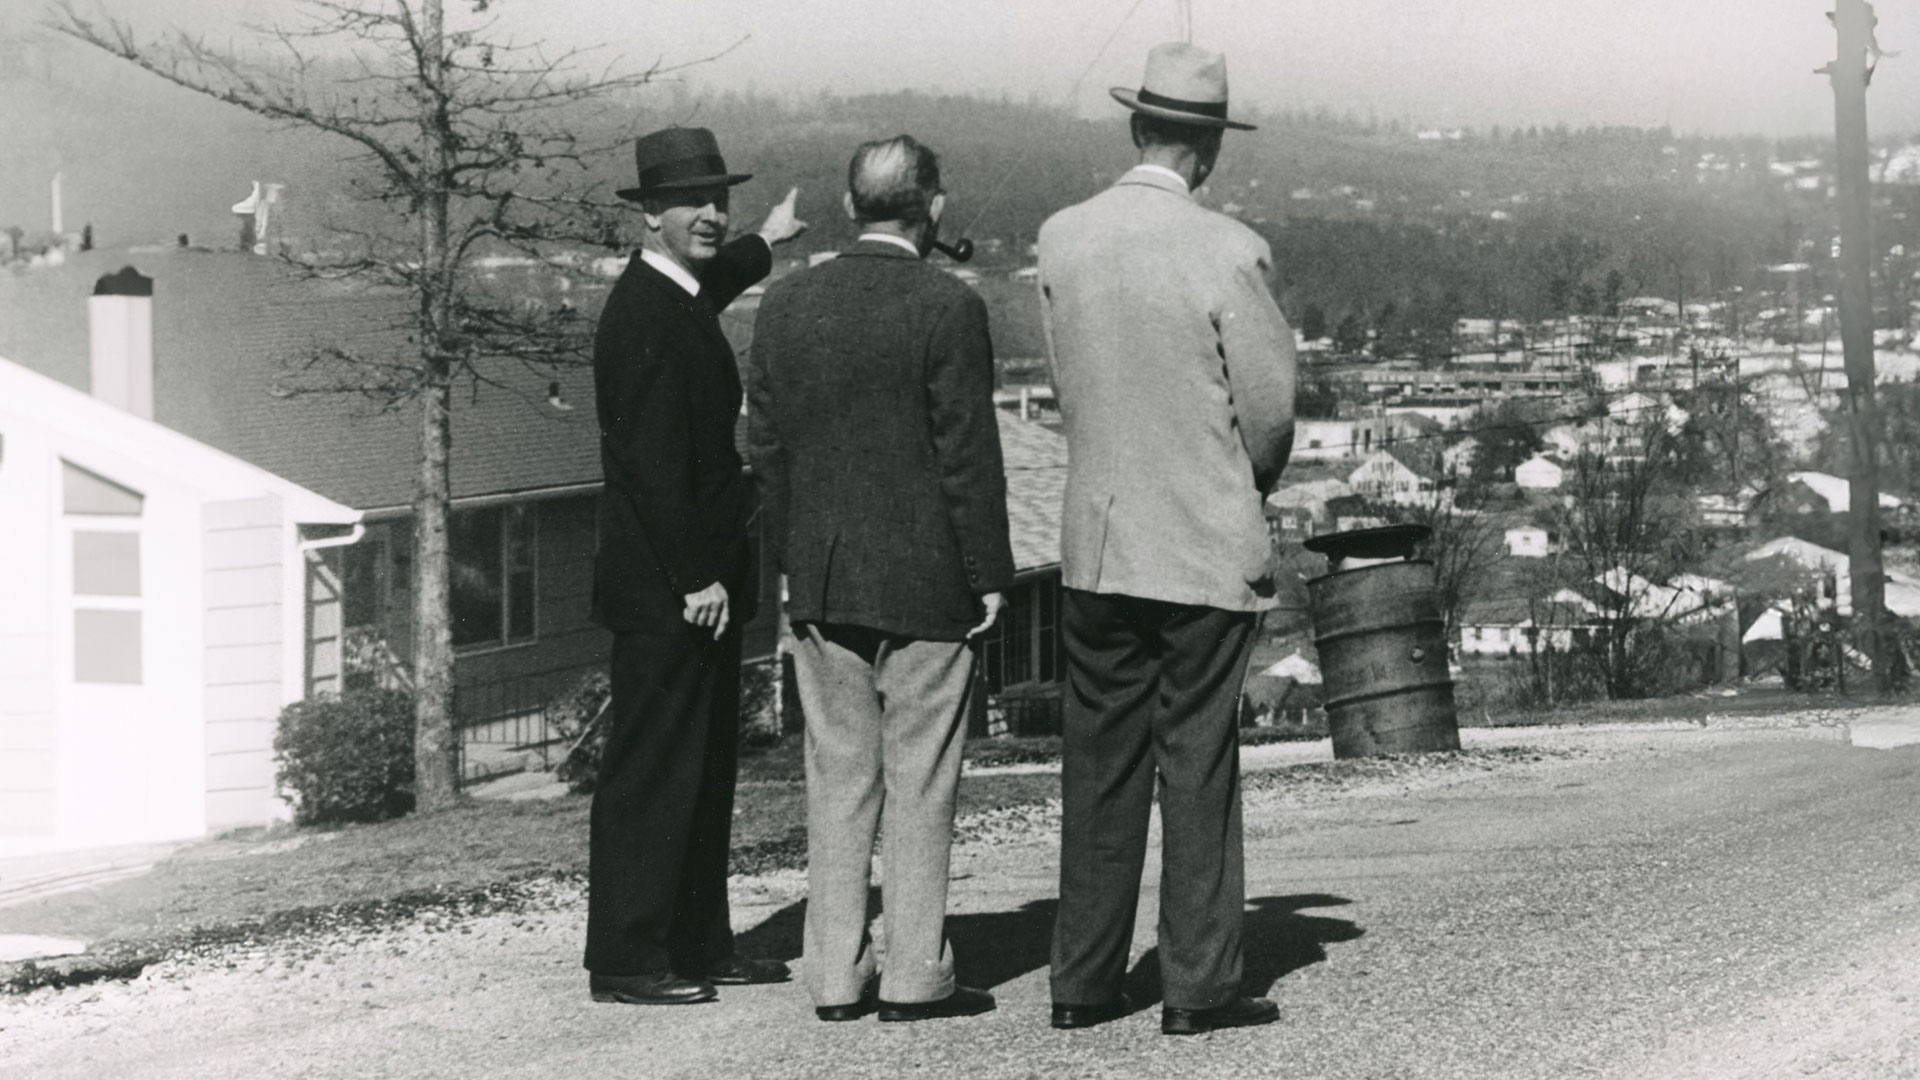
<point>1073,94</point>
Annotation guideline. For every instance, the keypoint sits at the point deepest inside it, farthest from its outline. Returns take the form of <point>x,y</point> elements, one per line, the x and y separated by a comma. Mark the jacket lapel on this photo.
<point>695,308</point>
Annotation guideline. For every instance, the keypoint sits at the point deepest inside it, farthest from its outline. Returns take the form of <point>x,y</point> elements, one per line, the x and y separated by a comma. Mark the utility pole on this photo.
<point>1853,21</point>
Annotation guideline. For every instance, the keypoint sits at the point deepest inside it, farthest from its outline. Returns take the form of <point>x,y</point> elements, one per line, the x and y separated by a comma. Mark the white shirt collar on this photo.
<point>1163,171</point>
<point>674,271</point>
<point>889,238</point>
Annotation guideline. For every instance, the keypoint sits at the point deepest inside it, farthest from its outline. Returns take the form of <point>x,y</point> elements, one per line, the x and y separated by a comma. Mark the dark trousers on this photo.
<point>663,805</point>
<point>1153,688</point>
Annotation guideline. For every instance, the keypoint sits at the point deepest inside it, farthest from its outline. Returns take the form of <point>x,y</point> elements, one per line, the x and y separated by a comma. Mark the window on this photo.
<point>84,492</point>
<point>362,598</point>
<point>491,551</point>
<point>106,578</point>
<point>1024,645</point>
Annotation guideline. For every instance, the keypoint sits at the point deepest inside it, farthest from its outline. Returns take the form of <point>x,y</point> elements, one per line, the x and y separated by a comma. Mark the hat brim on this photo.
<point>1131,99</point>
<point>634,194</point>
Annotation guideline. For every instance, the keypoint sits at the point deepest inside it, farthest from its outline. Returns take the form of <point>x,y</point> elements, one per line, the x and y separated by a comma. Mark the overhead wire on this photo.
<point>1073,94</point>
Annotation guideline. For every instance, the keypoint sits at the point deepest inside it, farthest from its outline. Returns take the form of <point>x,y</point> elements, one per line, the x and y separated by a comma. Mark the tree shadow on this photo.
<point>1275,941</point>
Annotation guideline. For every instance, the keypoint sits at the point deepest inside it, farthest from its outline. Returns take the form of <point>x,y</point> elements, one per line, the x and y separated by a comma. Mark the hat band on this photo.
<point>1215,109</point>
<point>687,168</point>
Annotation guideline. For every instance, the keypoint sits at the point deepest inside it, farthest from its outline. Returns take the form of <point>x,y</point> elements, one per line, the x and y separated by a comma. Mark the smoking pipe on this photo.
<point>959,251</point>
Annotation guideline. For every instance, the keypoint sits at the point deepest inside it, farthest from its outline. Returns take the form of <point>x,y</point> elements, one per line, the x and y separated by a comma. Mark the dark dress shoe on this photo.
<point>1079,1016</point>
<point>653,988</point>
<point>1240,1012</point>
<point>962,1002</point>
<point>746,971</point>
<point>838,1013</point>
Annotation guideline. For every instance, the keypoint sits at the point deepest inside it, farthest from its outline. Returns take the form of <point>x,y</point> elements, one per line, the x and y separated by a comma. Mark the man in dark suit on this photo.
<point>672,580</point>
<point>874,436</point>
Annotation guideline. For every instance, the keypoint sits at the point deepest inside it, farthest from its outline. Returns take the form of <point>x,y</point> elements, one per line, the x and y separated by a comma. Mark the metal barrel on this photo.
<point>1383,659</point>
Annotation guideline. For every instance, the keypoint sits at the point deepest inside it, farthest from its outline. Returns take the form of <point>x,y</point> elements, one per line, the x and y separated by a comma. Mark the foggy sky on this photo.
<point>1715,66</point>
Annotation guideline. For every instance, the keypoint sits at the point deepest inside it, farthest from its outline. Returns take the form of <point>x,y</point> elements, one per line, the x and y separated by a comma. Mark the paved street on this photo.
<point>1681,904</point>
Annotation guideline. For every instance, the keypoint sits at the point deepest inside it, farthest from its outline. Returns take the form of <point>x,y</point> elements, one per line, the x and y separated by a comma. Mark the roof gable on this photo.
<point>79,423</point>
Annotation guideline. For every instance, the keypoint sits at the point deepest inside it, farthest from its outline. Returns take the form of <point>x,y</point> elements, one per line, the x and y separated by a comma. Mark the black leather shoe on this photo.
<point>745,971</point>
<point>654,988</point>
<point>962,1002</point>
<point>839,1013</point>
<point>1240,1012</point>
<point>1079,1016</point>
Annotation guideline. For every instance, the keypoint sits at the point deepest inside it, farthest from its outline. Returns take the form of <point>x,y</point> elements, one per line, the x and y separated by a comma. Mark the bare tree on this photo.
<point>1627,527</point>
<point>1463,546</point>
<point>468,151</point>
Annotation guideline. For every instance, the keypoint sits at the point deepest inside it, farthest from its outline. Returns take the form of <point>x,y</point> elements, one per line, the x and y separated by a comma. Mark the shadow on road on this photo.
<point>1276,941</point>
<point>997,947</point>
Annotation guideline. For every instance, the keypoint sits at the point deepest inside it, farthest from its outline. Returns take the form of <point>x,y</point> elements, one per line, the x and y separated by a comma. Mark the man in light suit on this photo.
<point>672,581</point>
<point>1175,375</point>
<point>875,440</point>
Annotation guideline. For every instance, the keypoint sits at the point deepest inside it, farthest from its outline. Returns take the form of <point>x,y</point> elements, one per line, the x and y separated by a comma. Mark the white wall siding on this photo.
<point>246,653</point>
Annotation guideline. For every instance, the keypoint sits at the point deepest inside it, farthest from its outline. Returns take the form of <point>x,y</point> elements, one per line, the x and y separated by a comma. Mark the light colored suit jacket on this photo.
<point>1174,370</point>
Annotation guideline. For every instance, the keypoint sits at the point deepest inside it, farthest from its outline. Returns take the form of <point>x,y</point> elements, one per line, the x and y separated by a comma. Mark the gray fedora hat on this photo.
<point>679,157</point>
<point>1185,84</point>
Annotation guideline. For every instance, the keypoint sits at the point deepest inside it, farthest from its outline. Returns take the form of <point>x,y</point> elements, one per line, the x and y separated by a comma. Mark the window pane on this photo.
<point>362,602</point>
<point>1049,644</point>
<point>522,526</point>
<point>474,546</point>
<point>520,604</point>
<point>990,652</point>
<point>90,493</point>
<point>106,646</point>
<point>1018,619</point>
<point>106,564</point>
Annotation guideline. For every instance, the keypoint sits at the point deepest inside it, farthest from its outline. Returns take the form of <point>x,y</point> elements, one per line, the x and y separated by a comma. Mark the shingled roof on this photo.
<point>225,324</point>
<point>1036,464</point>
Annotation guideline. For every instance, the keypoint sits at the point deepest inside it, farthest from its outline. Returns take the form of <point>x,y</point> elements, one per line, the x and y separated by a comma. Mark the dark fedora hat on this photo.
<point>679,157</point>
<point>1184,84</point>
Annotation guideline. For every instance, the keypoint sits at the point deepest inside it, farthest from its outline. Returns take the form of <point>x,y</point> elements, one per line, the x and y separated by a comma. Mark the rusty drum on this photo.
<point>1382,644</point>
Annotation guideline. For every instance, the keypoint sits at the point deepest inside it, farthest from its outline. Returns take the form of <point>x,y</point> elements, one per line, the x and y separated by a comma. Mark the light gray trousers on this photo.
<point>885,722</point>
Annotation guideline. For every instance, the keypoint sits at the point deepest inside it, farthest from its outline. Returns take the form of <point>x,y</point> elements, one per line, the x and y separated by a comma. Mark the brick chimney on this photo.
<point>120,317</point>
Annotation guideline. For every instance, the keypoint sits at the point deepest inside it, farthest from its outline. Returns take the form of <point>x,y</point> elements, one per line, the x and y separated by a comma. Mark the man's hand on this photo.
<point>781,224</point>
<point>993,602</point>
<point>708,607</point>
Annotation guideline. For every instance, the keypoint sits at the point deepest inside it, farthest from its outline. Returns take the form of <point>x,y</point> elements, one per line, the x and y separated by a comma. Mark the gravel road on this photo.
<point>1661,904</point>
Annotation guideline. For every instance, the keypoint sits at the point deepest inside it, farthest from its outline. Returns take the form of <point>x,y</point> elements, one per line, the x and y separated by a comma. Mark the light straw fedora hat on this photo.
<point>1185,84</point>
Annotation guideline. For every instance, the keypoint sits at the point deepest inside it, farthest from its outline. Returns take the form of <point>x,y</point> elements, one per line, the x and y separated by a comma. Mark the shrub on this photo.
<point>760,704</point>
<point>579,716</point>
<point>347,758</point>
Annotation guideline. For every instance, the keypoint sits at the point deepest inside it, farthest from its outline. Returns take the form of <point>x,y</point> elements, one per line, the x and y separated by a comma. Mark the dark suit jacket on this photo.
<point>875,443</point>
<point>675,506</point>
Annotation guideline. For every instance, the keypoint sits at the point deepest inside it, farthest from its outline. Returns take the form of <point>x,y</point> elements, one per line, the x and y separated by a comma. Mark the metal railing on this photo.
<point>504,726</point>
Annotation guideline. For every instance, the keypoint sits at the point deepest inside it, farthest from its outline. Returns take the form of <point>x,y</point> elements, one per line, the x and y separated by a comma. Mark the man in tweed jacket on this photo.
<point>1175,374</point>
<point>873,433</point>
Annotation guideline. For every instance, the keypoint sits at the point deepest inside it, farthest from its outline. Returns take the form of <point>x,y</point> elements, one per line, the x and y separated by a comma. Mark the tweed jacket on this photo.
<point>674,510</point>
<point>872,430</point>
<point>1174,370</point>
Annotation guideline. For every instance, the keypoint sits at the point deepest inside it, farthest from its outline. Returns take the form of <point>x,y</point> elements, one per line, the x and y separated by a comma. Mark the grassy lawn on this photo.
<point>260,876</point>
